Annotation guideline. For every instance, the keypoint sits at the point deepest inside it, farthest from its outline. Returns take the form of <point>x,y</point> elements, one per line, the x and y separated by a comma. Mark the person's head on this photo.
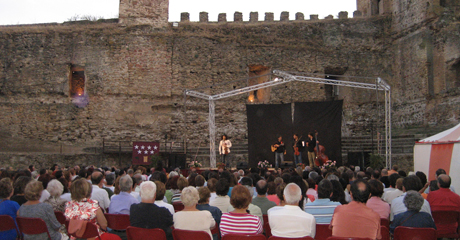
<point>182,183</point>
<point>444,181</point>
<point>376,188</point>
<point>292,194</point>
<point>412,182</point>
<point>271,188</point>
<point>96,177</point>
<point>161,190</point>
<point>20,184</point>
<point>434,185</point>
<point>360,191</point>
<point>261,187</point>
<point>212,184</point>
<point>246,181</point>
<point>110,179</point>
<point>395,168</point>
<point>205,194</point>
<point>422,177</point>
<point>384,172</point>
<point>392,178</point>
<point>280,138</point>
<point>224,137</point>
<point>55,188</point>
<point>399,184</point>
<point>147,191</point>
<point>440,171</point>
<point>125,183</point>
<point>199,181</point>
<point>325,189</point>
<point>402,173</point>
<point>280,191</point>
<point>413,201</point>
<point>6,188</point>
<point>80,189</point>
<point>189,196</point>
<point>295,136</point>
<point>158,176</point>
<point>241,197</point>
<point>310,135</point>
<point>222,187</point>
<point>33,190</point>
<point>137,179</point>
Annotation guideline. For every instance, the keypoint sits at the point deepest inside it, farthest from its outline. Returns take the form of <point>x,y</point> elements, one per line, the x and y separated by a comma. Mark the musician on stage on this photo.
<point>279,150</point>
<point>298,147</point>
<point>311,144</point>
<point>224,148</point>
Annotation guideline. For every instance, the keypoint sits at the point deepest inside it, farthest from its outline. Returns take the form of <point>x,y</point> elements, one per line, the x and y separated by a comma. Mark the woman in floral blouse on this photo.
<point>83,208</point>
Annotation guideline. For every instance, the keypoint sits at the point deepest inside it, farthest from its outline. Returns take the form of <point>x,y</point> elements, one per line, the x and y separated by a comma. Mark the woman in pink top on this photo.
<point>375,202</point>
<point>239,221</point>
<point>271,193</point>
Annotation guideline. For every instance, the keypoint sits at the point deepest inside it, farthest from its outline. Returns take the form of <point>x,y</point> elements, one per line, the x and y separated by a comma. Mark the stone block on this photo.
<point>238,17</point>
<point>253,17</point>
<point>329,17</point>
<point>204,17</point>
<point>343,15</point>
<point>184,17</point>
<point>357,14</point>
<point>299,16</point>
<point>284,16</point>
<point>314,17</point>
<point>269,17</point>
<point>222,17</point>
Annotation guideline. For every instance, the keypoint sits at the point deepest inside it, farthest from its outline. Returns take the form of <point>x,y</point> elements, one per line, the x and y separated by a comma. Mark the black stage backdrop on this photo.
<point>324,117</point>
<point>267,122</point>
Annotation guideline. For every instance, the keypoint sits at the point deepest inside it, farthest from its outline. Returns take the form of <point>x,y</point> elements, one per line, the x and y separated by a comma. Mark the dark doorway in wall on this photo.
<point>456,69</point>
<point>77,81</point>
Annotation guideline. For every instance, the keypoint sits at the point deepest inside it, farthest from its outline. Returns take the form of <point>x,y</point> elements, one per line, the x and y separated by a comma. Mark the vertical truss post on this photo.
<point>212,133</point>
<point>388,128</point>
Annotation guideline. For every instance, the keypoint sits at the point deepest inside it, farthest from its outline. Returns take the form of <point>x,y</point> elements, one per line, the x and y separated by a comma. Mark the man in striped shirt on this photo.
<point>322,208</point>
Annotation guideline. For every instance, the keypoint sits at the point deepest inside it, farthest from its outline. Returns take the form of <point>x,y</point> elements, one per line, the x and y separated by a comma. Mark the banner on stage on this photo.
<point>142,151</point>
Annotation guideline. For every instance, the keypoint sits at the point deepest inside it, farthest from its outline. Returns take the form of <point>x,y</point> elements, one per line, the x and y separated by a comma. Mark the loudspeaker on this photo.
<point>242,165</point>
<point>177,160</point>
<point>286,165</point>
<point>361,159</point>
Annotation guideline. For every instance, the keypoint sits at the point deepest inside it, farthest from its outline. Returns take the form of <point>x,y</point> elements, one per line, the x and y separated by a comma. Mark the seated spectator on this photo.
<point>271,193</point>
<point>121,203</point>
<point>222,200</point>
<point>375,202</point>
<point>395,189</point>
<point>33,208</point>
<point>261,200</point>
<point>159,197</point>
<point>181,184</point>
<point>312,186</point>
<point>211,184</point>
<point>411,182</point>
<point>280,193</point>
<point>338,194</point>
<point>99,194</point>
<point>239,221</point>
<point>323,208</point>
<point>55,188</point>
<point>199,181</point>
<point>137,180</point>
<point>141,214</point>
<point>191,218</point>
<point>253,209</point>
<point>7,207</point>
<point>291,221</point>
<point>82,207</point>
<point>203,204</point>
<point>356,219</point>
<point>19,186</point>
<point>412,217</point>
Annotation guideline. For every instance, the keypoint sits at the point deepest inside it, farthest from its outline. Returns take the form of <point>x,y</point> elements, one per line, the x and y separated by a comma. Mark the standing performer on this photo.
<point>279,150</point>
<point>311,144</point>
<point>298,147</point>
<point>224,148</point>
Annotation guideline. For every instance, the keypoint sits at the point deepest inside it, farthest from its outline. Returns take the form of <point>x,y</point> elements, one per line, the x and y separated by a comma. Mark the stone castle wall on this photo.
<point>136,74</point>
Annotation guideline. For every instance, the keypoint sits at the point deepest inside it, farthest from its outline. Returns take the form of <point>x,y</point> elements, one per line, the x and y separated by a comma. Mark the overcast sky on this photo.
<point>43,11</point>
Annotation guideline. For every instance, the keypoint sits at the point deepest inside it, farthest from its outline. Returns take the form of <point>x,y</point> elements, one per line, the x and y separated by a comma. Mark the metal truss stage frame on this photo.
<point>283,77</point>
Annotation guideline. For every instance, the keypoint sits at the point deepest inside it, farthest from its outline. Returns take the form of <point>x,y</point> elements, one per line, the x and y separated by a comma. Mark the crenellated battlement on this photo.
<point>269,17</point>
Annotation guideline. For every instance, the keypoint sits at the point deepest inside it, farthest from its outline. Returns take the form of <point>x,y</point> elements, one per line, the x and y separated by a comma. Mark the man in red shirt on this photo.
<point>356,219</point>
<point>444,199</point>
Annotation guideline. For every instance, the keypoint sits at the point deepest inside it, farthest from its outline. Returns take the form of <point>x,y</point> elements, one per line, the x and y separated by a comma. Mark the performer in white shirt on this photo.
<point>224,148</point>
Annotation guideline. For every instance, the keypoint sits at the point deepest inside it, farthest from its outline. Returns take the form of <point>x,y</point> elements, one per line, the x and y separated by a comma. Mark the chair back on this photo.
<point>178,206</point>
<point>135,233</point>
<point>60,217</point>
<point>446,223</point>
<point>8,223</point>
<point>346,238</point>
<point>283,238</point>
<point>385,222</point>
<point>409,233</point>
<point>322,231</point>
<point>243,237</point>
<point>385,232</point>
<point>180,234</point>
<point>32,226</point>
<point>267,229</point>
<point>117,221</point>
<point>91,231</point>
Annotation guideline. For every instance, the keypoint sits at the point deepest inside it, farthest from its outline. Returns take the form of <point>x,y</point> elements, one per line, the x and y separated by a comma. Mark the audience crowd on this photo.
<point>294,201</point>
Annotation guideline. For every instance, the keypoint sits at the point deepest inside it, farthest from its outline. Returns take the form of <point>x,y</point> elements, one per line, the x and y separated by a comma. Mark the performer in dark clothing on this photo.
<point>298,148</point>
<point>279,150</point>
<point>311,144</point>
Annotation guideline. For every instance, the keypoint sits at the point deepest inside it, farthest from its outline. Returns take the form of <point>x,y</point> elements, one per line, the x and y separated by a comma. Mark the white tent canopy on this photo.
<point>439,151</point>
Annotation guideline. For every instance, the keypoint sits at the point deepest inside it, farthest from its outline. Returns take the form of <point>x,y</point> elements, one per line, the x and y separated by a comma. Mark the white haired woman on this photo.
<point>55,188</point>
<point>191,218</point>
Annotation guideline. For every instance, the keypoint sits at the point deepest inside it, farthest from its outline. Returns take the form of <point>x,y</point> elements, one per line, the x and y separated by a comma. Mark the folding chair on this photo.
<point>32,226</point>
<point>446,223</point>
<point>322,232</point>
<point>135,233</point>
<point>8,223</point>
<point>283,238</point>
<point>410,233</point>
<point>117,221</point>
<point>385,232</point>
<point>385,222</point>
<point>178,206</point>
<point>179,234</point>
<point>90,231</point>
<point>267,229</point>
<point>243,237</point>
<point>60,217</point>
